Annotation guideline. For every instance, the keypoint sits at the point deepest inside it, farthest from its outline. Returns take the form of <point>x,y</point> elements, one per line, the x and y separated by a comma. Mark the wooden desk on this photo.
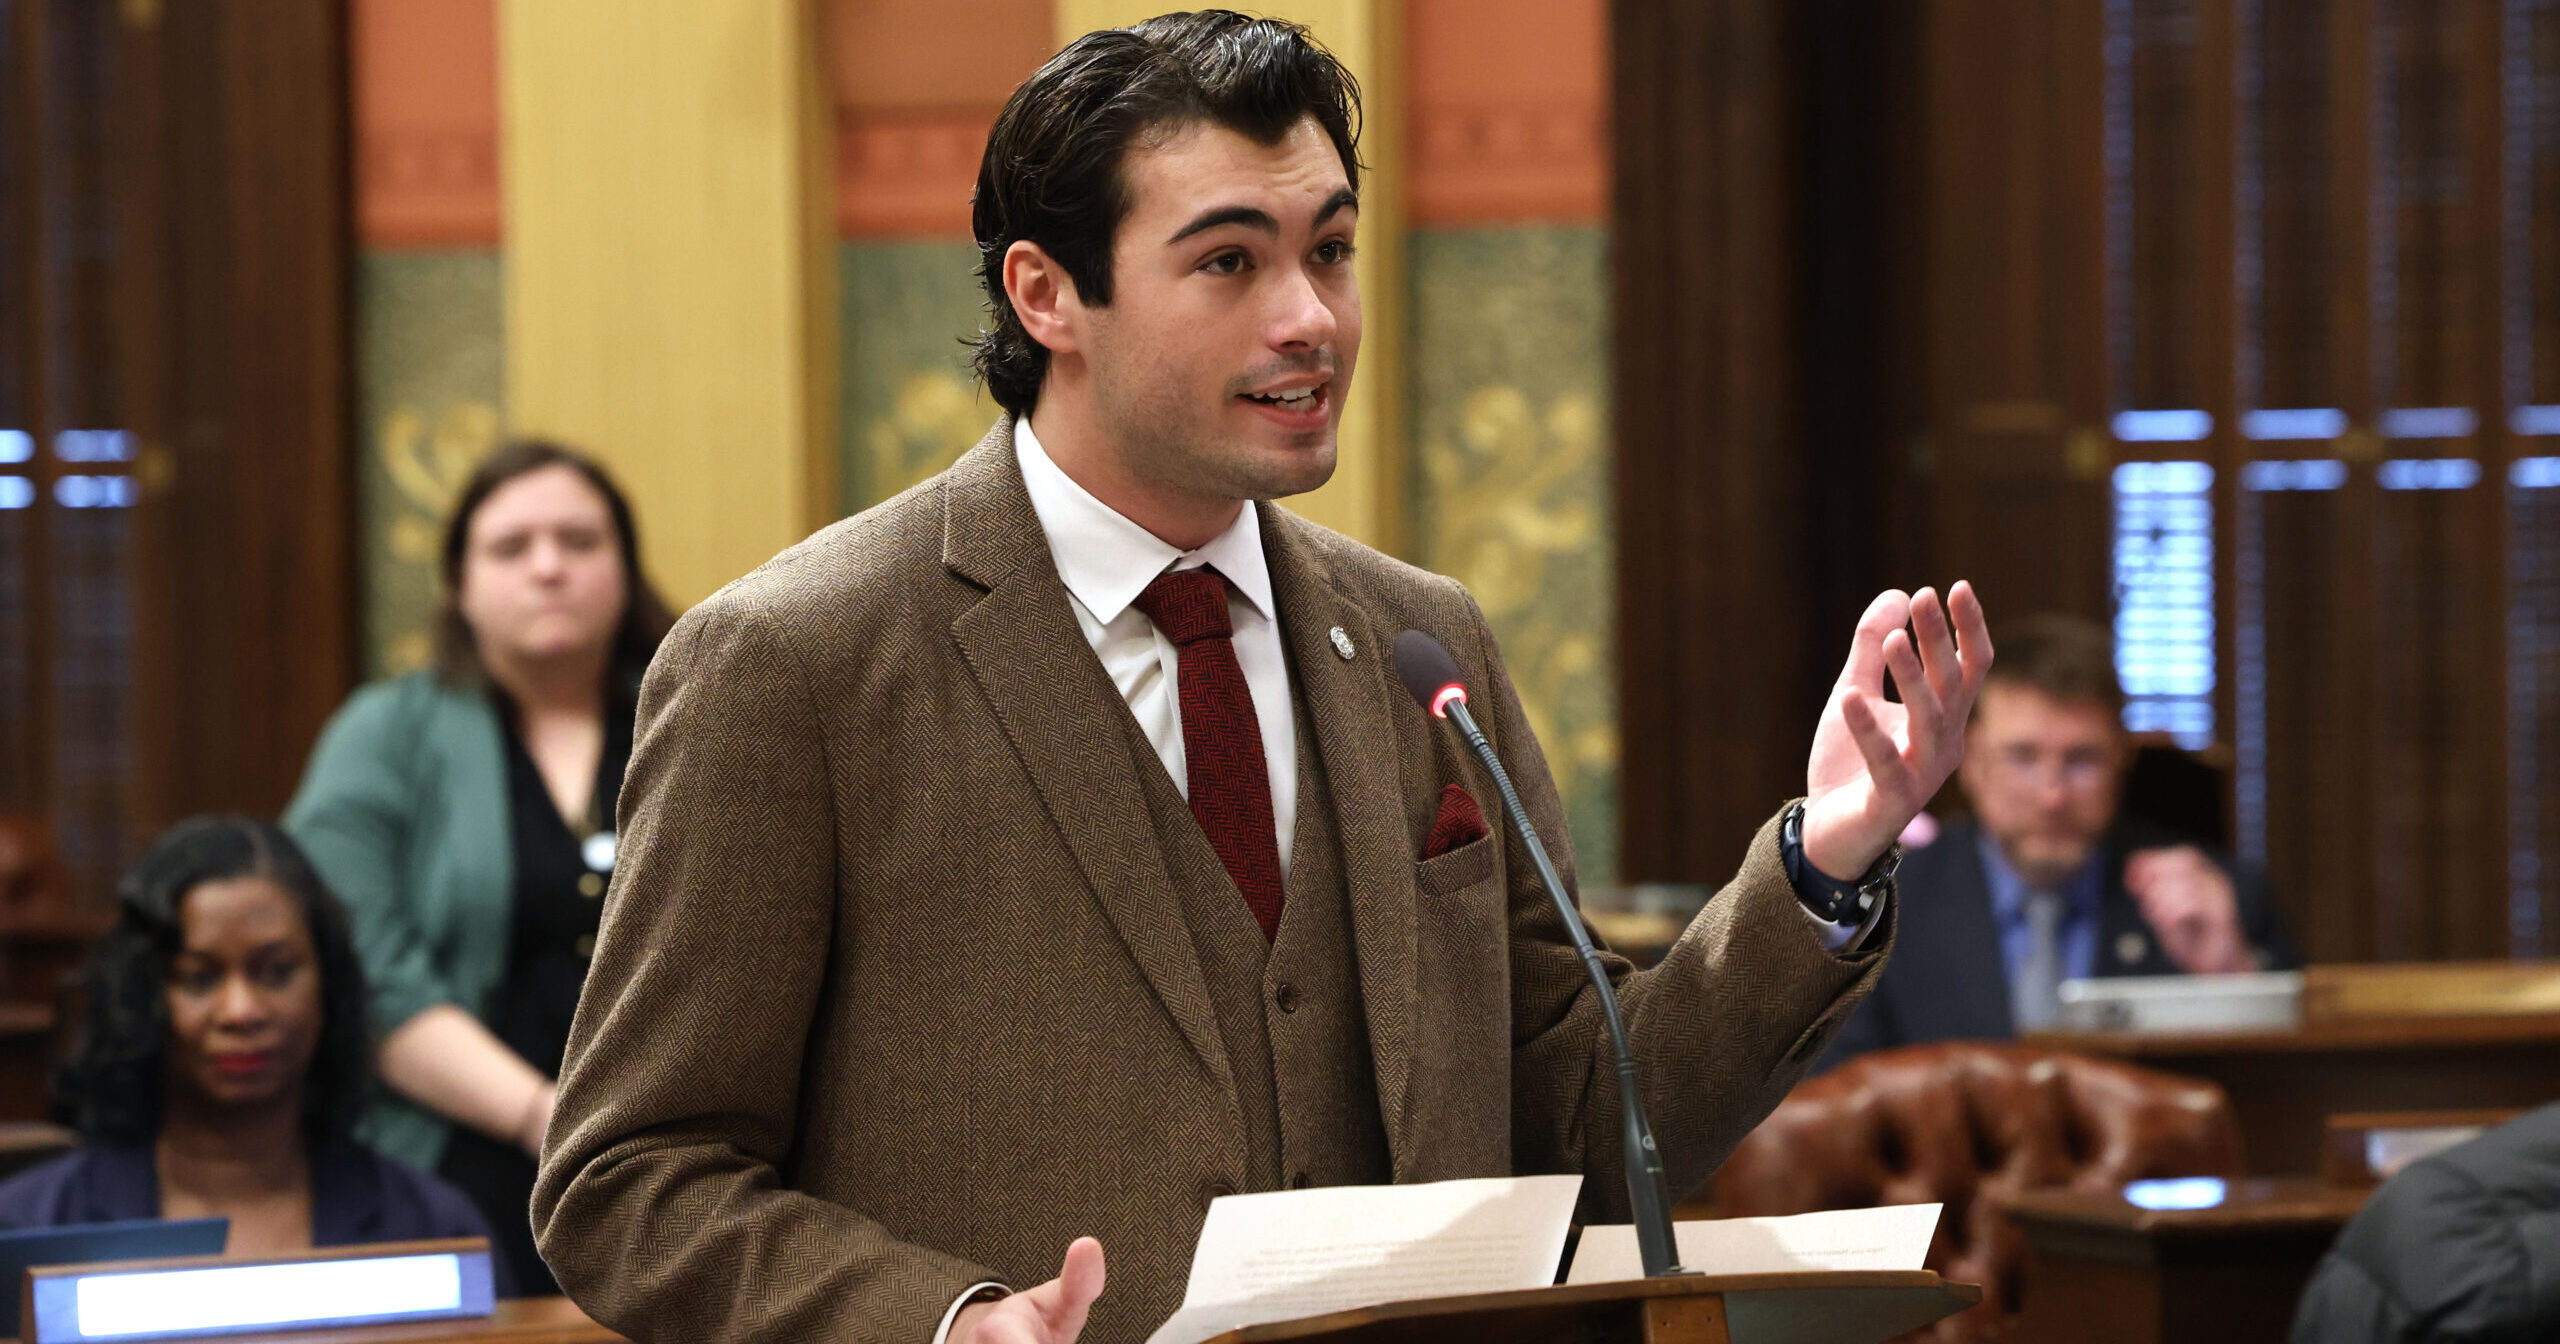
<point>2285,1084</point>
<point>530,1320</point>
<point>2100,1270</point>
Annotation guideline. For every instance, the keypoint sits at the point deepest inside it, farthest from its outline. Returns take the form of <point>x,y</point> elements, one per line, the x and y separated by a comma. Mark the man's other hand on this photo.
<point>2192,908</point>
<point>1052,1313</point>
<point>1875,763</point>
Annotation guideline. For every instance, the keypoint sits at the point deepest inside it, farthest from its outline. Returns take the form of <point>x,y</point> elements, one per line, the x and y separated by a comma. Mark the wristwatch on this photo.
<point>1835,901</point>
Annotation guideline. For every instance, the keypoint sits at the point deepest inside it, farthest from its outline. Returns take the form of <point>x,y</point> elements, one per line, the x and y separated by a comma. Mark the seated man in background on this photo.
<point>2045,882</point>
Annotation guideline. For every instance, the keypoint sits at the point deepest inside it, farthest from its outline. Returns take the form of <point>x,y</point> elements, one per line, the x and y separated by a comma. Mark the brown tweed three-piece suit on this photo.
<point>915,967</point>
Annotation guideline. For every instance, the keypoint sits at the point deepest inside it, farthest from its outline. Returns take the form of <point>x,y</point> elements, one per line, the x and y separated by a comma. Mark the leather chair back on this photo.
<point>1963,1124</point>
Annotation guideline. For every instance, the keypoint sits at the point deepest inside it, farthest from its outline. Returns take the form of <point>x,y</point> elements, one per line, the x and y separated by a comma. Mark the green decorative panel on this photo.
<point>1509,484</point>
<point>911,402</point>
<point>430,334</point>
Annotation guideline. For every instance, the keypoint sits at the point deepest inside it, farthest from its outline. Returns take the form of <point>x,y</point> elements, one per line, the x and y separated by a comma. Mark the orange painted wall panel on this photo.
<point>1507,106</point>
<point>426,123</point>
<point>916,84</point>
<point>1507,111</point>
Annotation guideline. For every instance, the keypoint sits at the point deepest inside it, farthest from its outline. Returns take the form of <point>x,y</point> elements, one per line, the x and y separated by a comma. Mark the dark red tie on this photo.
<point>1221,739</point>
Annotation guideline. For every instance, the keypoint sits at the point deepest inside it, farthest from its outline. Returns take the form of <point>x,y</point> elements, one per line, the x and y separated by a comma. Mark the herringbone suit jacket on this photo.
<point>894,994</point>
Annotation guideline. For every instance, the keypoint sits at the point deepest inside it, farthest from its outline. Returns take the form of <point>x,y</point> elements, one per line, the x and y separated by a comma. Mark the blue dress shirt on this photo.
<point>2081,893</point>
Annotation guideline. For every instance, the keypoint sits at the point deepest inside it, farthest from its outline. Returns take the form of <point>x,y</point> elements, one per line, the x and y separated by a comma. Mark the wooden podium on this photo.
<point>1856,1308</point>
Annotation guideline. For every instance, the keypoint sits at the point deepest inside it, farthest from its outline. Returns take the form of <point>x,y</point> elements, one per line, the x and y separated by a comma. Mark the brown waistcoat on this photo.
<point>1288,1008</point>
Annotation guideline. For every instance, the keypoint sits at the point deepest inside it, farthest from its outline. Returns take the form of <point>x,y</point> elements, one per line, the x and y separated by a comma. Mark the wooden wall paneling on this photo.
<point>2530,286</point>
<point>2533,523</point>
<point>291,507</point>
<point>148,301</point>
<point>25,744</point>
<point>251,508</point>
<point>2298,695</point>
<point>2219,121</point>
<point>2439,694</point>
<point>80,580</point>
<point>2171,142</point>
<point>2016,206</point>
<point>2330,794</point>
<point>2482,835</point>
<point>1861,293</point>
<point>1716,669</point>
<point>2166,202</point>
<point>2298,702</point>
<point>2288,155</point>
<point>2438,879</point>
<point>2308,652</point>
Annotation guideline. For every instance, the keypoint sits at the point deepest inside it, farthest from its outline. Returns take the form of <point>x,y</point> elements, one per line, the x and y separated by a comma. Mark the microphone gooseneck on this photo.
<point>1431,675</point>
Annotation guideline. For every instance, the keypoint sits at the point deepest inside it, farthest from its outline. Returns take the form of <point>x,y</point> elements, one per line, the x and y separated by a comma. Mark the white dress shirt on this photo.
<point>1107,560</point>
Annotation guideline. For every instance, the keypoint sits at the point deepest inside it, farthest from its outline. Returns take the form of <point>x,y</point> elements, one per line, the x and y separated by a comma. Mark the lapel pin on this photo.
<point>1342,644</point>
<point>2130,947</point>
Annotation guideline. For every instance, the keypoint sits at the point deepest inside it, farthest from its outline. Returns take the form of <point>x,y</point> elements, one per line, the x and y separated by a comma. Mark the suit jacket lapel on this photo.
<point>1971,933</point>
<point>1352,706</point>
<point>2121,927</point>
<point>1022,643</point>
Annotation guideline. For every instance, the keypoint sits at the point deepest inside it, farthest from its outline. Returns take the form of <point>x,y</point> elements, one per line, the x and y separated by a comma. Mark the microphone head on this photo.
<point>1429,672</point>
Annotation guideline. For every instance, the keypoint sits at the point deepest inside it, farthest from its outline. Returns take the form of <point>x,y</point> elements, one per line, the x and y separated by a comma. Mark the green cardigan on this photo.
<point>404,811</point>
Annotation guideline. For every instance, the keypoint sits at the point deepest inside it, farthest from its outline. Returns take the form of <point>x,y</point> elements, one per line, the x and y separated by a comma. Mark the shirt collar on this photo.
<point>1106,560</point>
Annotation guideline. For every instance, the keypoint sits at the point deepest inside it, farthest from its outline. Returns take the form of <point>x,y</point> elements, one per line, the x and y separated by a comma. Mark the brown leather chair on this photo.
<point>1962,1124</point>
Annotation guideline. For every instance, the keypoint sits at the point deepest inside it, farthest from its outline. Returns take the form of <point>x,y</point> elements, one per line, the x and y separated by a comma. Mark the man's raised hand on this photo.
<point>2191,905</point>
<point>1875,763</point>
<point>1052,1313</point>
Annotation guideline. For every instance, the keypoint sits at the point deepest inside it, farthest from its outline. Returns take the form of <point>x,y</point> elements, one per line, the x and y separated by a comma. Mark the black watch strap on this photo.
<point>1834,901</point>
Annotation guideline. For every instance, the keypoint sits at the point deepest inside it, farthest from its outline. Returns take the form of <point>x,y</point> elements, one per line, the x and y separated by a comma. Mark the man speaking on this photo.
<point>1012,869</point>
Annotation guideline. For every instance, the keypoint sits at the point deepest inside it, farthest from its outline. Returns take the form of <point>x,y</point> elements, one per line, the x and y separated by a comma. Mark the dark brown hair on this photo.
<point>1052,170</point>
<point>111,1088</point>
<point>2066,657</point>
<point>645,615</point>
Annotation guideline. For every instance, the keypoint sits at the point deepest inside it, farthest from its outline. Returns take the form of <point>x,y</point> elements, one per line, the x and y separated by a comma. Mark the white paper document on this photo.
<point>1895,1237</point>
<point>1293,1253</point>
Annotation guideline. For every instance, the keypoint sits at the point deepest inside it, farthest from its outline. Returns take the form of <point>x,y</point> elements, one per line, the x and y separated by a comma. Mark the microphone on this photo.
<point>1432,676</point>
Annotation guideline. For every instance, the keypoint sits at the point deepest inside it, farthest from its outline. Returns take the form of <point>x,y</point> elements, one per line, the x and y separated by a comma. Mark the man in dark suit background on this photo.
<point>2048,881</point>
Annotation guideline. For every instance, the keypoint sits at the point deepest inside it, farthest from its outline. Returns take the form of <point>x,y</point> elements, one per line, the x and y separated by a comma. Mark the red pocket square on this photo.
<point>1460,822</point>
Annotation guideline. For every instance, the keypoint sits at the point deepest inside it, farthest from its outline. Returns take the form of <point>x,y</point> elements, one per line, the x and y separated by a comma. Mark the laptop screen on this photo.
<point>90,1243</point>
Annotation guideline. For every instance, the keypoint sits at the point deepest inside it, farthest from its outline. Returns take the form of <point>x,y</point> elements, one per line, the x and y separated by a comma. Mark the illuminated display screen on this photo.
<point>2189,1192</point>
<point>182,1303</point>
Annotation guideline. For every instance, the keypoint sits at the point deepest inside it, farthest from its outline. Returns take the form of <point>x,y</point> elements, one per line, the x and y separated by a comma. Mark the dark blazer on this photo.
<point>357,1196</point>
<point>895,991</point>
<point>1949,981</point>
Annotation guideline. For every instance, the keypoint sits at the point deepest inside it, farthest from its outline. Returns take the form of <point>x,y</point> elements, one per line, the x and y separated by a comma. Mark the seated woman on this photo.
<point>224,1063</point>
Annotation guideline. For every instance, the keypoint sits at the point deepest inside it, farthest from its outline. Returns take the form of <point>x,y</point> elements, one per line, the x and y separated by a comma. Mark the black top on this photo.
<point>561,871</point>
<point>357,1196</point>
<point>559,895</point>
